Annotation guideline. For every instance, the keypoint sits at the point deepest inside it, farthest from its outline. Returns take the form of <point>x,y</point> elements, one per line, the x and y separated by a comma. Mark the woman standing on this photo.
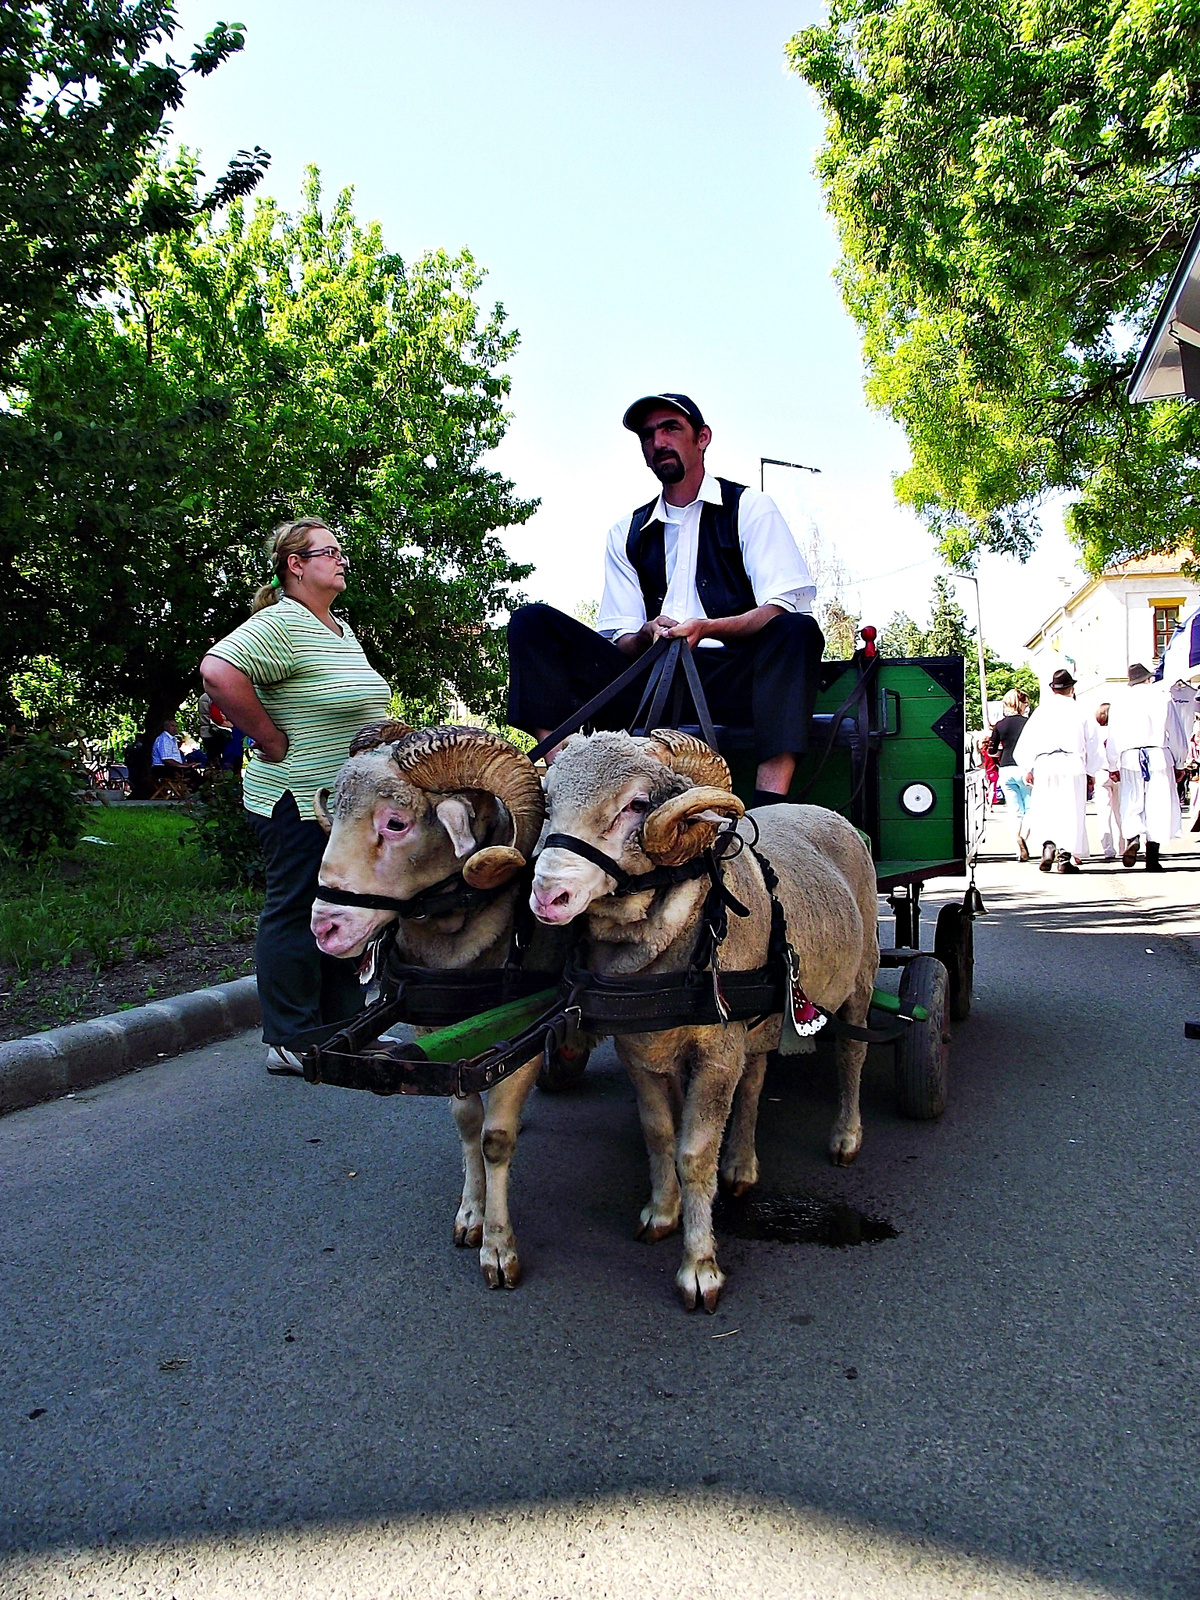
<point>1002,744</point>
<point>295,679</point>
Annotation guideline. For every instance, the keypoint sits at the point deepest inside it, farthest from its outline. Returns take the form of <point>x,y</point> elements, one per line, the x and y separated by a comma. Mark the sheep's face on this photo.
<point>599,790</point>
<point>387,837</point>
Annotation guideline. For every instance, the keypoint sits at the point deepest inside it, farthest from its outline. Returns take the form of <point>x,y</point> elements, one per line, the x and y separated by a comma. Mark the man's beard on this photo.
<point>668,469</point>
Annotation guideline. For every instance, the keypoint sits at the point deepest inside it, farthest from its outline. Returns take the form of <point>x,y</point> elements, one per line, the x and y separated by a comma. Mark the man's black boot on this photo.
<point>1153,864</point>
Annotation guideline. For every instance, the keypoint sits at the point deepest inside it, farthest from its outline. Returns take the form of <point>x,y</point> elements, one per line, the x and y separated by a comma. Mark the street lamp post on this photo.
<point>773,461</point>
<point>983,710</point>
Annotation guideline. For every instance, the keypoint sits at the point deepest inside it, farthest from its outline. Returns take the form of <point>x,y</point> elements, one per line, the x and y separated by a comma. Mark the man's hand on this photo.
<point>693,630</point>
<point>1115,776</point>
<point>636,644</point>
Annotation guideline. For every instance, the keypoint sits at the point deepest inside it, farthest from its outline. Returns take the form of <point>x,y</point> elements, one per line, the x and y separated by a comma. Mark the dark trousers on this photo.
<point>555,664</point>
<point>300,989</point>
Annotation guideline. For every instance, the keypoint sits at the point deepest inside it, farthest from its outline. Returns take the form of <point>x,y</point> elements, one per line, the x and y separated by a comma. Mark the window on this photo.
<point>1166,620</point>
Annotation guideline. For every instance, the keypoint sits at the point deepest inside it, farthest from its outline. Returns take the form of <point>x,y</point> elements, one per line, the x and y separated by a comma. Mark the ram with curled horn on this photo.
<point>632,849</point>
<point>430,831</point>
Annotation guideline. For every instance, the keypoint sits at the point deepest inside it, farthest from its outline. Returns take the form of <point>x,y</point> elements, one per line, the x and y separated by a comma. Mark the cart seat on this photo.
<point>737,741</point>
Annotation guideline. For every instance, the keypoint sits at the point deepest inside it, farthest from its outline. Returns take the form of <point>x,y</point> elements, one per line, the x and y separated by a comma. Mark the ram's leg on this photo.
<point>498,1257</point>
<point>739,1164</point>
<point>845,1140</point>
<point>468,1224</point>
<point>656,1094</point>
<point>705,1113</point>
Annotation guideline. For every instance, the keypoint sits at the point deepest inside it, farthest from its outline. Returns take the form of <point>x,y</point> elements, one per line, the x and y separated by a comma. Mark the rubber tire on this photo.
<point>954,946</point>
<point>923,1049</point>
<point>565,1072</point>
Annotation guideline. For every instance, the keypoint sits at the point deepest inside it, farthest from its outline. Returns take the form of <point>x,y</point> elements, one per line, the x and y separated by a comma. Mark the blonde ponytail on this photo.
<point>289,539</point>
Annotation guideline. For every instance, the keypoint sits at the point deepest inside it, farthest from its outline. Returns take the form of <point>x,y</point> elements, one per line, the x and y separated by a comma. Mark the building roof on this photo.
<point>1153,566</point>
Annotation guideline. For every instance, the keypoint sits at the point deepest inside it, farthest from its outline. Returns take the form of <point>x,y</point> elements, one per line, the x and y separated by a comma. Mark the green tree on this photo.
<point>253,370</point>
<point>840,629</point>
<point>949,634</point>
<point>85,88</point>
<point>1013,182</point>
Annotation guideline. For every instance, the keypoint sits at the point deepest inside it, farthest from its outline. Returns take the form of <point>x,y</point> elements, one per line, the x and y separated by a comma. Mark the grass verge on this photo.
<point>98,905</point>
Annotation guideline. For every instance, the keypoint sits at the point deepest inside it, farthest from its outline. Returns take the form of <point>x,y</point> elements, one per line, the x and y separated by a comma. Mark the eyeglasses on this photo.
<point>330,550</point>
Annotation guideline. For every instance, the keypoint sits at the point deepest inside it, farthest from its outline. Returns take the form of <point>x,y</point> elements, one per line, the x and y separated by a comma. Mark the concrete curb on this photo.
<point>45,1065</point>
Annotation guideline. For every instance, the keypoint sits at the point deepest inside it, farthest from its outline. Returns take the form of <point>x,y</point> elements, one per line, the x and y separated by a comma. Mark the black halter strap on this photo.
<point>706,864</point>
<point>438,900</point>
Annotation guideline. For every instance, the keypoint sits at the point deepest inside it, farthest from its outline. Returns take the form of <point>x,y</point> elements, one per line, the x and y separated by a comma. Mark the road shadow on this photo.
<point>231,1303</point>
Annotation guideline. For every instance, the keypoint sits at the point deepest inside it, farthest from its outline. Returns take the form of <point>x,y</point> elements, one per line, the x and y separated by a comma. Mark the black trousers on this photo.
<point>300,989</point>
<point>555,664</point>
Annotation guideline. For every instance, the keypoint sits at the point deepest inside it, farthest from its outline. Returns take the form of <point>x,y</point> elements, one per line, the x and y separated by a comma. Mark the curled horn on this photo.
<point>321,809</point>
<point>690,757</point>
<point>684,825</point>
<point>447,760</point>
<point>377,733</point>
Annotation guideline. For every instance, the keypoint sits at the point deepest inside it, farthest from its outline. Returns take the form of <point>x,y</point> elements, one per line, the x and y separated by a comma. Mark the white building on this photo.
<point>1126,614</point>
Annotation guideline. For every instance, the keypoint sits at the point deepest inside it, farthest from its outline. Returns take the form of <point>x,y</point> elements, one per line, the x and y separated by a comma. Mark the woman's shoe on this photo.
<point>1047,860</point>
<point>1063,862</point>
<point>284,1063</point>
<point>1022,850</point>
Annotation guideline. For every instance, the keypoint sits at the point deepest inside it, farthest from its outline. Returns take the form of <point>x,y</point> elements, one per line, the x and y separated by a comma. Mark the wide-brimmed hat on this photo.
<point>637,412</point>
<point>1139,674</point>
<point>1060,680</point>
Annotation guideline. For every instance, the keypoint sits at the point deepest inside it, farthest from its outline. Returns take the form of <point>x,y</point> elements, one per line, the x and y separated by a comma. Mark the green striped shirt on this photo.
<point>318,688</point>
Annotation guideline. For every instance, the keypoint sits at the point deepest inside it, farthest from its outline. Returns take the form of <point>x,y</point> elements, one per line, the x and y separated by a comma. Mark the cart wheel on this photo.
<point>923,1049</point>
<point>566,1069</point>
<point>954,946</point>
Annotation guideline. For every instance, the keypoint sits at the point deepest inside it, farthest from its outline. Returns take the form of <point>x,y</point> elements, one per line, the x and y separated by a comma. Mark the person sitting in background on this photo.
<point>167,757</point>
<point>1012,780</point>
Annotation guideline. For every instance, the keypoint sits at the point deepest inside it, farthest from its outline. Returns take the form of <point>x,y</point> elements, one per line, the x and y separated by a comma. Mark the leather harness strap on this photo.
<point>438,900</point>
<point>699,996</point>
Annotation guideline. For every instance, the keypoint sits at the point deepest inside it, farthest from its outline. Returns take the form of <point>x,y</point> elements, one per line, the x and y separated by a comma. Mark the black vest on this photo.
<point>721,579</point>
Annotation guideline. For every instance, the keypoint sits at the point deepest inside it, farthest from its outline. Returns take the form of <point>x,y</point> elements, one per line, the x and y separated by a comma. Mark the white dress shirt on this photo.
<point>776,569</point>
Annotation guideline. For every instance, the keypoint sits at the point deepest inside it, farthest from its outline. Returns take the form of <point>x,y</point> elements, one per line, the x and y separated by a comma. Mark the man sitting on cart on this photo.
<point>709,561</point>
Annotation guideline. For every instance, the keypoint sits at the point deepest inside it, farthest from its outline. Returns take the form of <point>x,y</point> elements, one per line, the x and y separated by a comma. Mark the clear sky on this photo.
<point>637,180</point>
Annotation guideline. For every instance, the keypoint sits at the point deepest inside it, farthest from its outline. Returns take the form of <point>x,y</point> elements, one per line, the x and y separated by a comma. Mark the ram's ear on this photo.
<point>321,809</point>
<point>688,823</point>
<point>456,815</point>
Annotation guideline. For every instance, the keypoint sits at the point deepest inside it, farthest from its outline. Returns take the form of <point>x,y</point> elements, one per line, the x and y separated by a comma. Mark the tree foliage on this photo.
<point>949,634</point>
<point>251,370</point>
<point>1013,182</point>
<point>85,87</point>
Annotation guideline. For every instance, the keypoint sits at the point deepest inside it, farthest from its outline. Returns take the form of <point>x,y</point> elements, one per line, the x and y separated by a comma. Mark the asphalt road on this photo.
<point>239,1354</point>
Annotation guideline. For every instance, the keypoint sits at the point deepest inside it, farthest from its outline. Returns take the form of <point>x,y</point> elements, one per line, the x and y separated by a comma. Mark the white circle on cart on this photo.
<point>917,799</point>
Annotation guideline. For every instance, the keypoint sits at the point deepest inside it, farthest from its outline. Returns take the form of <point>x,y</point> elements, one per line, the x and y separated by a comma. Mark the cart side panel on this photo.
<point>927,747</point>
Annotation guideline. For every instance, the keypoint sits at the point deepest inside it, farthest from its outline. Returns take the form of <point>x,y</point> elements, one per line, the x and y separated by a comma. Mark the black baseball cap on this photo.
<point>636,414</point>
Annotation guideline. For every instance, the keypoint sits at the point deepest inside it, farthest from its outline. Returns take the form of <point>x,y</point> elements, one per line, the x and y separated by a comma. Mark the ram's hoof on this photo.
<point>500,1263</point>
<point>700,1283</point>
<point>654,1225</point>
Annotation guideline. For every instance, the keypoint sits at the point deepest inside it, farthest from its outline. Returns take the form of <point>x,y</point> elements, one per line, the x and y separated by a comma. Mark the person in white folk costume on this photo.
<point>1058,749</point>
<point>1146,730</point>
<point>1108,790</point>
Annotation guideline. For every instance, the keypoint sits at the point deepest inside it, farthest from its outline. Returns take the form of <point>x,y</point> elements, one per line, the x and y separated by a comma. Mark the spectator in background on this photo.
<point>214,729</point>
<point>1012,780</point>
<point>166,754</point>
<point>295,678</point>
<point>1108,791</point>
